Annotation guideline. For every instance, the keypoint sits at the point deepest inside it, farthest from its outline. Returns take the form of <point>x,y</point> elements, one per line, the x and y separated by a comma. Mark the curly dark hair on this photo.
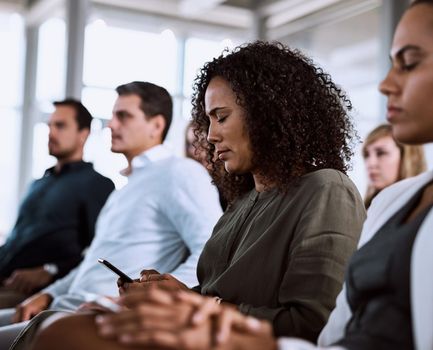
<point>297,119</point>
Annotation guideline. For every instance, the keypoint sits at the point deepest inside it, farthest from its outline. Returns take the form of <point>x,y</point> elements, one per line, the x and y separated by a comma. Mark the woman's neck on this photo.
<point>261,184</point>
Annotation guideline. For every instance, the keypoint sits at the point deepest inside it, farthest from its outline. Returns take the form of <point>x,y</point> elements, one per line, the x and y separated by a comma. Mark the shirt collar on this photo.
<point>154,154</point>
<point>67,168</point>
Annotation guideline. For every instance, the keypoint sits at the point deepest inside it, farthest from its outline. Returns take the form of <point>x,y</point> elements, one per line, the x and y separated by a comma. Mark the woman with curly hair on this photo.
<point>278,139</point>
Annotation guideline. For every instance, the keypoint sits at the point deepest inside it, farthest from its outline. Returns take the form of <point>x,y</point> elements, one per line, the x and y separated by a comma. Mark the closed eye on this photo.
<point>221,119</point>
<point>408,67</point>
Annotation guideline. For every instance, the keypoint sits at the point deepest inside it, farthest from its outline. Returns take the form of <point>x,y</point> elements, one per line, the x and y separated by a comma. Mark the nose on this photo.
<point>112,123</point>
<point>51,131</point>
<point>389,84</point>
<point>213,135</point>
<point>371,162</point>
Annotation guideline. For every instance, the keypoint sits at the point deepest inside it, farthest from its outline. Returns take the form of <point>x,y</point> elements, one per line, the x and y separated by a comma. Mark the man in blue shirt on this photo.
<point>160,220</point>
<point>57,216</point>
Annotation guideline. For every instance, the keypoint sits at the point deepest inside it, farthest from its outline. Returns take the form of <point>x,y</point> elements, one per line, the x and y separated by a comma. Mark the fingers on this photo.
<point>17,316</point>
<point>145,274</point>
<point>27,314</point>
<point>91,306</point>
<point>226,318</point>
<point>123,284</point>
<point>248,324</point>
<point>143,318</point>
<point>128,287</point>
<point>208,308</point>
<point>224,326</point>
<point>160,339</point>
<point>151,294</point>
<point>113,325</point>
<point>192,298</point>
<point>230,319</point>
<point>153,278</point>
<point>205,306</point>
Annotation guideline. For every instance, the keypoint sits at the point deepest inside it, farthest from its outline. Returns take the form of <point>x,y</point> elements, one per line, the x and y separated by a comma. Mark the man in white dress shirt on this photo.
<point>160,220</point>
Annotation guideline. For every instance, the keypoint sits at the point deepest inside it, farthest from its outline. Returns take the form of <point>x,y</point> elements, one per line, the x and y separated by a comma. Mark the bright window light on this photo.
<point>114,56</point>
<point>50,84</point>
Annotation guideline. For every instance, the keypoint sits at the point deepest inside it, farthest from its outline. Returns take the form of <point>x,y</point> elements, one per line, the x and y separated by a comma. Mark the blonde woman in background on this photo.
<point>388,161</point>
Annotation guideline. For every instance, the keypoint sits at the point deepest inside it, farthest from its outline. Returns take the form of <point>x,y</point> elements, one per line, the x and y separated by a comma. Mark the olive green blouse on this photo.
<point>282,256</point>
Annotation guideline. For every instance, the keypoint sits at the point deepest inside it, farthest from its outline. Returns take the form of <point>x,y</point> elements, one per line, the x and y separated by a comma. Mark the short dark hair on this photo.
<point>82,115</point>
<point>155,100</point>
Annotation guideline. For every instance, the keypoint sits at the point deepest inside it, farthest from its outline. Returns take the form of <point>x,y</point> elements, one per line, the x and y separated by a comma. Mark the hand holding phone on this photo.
<point>123,276</point>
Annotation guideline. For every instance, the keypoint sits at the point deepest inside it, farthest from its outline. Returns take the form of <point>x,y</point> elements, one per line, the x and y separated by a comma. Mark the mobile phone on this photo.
<point>123,276</point>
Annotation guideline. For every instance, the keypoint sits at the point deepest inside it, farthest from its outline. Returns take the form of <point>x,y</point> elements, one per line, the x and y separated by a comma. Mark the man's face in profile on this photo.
<point>64,137</point>
<point>131,131</point>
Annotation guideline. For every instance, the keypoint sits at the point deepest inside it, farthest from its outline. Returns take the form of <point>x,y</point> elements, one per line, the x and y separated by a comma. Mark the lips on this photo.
<point>222,154</point>
<point>393,112</point>
<point>374,177</point>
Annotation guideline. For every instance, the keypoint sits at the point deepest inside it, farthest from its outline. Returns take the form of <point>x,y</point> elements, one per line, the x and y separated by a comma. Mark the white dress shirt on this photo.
<point>160,220</point>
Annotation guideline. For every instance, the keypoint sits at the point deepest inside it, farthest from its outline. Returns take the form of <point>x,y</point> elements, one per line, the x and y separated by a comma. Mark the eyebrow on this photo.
<point>213,111</point>
<point>399,54</point>
<point>122,113</point>
<point>57,123</point>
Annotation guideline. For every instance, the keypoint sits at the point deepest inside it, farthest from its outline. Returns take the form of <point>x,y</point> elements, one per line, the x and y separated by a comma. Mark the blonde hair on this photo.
<point>412,159</point>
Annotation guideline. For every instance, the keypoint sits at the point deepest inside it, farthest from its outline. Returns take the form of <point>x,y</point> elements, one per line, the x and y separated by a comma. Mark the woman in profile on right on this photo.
<point>387,300</point>
<point>388,161</point>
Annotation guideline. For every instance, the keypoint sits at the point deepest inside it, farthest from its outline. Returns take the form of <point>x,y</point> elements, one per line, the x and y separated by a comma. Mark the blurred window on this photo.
<point>11,68</point>
<point>50,86</point>
<point>115,56</point>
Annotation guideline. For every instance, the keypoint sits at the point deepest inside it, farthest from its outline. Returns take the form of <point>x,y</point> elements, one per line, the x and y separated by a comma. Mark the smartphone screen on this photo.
<point>114,269</point>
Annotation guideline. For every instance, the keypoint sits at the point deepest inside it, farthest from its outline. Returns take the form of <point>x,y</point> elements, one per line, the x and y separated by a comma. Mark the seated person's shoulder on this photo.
<point>97,177</point>
<point>95,181</point>
<point>187,167</point>
<point>388,194</point>
<point>103,179</point>
<point>323,177</point>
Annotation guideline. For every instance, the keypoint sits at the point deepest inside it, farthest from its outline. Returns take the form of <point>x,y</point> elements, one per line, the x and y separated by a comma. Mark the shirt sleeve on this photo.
<point>193,208</point>
<point>61,286</point>
<point>326,236</point>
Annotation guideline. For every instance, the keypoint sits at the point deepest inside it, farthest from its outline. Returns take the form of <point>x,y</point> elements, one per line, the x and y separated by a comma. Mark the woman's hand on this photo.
<point>147,310</point>
<point>227,318</point>
<point>148,278</point>
<point>182,320</point>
